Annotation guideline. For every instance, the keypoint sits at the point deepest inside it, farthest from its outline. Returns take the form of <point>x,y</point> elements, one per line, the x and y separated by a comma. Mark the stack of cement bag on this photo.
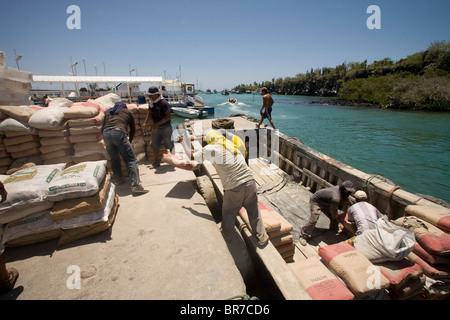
<point>278,229</point>
<point>86,126</point>
<point>55,145</point>
<point>319,281</point>
<point>52,130</point>
<point>139,143</point>
<point>85,122</point>
<point>359,274</point>
<point>431,227</point>
<point>48,202</point>
<point>388,246</point>
<point>64,132</point>
<point>19,139</point>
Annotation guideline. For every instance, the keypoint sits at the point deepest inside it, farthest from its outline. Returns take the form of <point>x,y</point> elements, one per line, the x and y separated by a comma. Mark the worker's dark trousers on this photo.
<point>117,145</point>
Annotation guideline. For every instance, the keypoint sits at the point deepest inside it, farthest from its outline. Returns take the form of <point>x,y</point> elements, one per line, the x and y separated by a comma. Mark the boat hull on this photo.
<point>190,113</point>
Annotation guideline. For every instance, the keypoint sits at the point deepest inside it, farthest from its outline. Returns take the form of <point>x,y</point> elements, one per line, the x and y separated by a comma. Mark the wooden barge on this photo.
<point>287,165</point>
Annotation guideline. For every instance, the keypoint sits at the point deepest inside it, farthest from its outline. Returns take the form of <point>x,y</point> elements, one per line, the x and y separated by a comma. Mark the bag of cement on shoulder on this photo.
<point>180,162</point>
<point>388,242</point>
<point>107,101</point>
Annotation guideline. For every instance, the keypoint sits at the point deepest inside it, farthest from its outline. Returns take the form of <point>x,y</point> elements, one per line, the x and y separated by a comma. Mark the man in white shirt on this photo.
<point>362,214</point>
<point>237,180</point>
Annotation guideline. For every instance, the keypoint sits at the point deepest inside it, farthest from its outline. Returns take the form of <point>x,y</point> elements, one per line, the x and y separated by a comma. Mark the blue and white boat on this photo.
<point>189,113</point>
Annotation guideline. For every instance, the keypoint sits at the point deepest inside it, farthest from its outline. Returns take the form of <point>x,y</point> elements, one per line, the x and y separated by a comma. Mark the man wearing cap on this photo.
<point>158,119</point>
<point>327,201</point>
<point>267,107</point>
<point>362,214</point>
<point>237,181</point>
<point>114,129</point>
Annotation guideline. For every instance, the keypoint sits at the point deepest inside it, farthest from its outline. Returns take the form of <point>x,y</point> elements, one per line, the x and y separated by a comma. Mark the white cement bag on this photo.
<point>41,222</point>
<point>22,113</point>
<point>107,101</point>
<point>80,180</point>
<point>388,242</point>
<point>93,217</point>
<point>16,214</point>
<point>60,103</point>
<point>48,118</point>
<point>33,224</point>
<point>28,187</point>
<point>15,125</point>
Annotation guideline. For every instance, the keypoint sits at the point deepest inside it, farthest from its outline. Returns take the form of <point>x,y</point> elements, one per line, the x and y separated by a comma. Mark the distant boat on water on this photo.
<point>190,113</point>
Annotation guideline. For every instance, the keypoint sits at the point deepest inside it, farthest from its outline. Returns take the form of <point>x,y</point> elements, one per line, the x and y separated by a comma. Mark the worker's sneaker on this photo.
<point>262,238</point>
<point>118,181</point>
<point>304,238</point>
<point>155,165</point>
<point>139,189</point>
<point>8,284</point>
<point>302,241</point>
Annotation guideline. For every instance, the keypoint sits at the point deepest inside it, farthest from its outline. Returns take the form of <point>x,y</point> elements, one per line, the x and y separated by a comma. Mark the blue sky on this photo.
<point>218,44</point>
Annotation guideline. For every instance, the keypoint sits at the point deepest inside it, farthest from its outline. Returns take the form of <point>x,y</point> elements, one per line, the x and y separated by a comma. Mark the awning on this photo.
<point>99,79</point>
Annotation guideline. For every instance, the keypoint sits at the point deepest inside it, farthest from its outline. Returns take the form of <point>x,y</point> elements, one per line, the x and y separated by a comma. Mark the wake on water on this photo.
<point>241,104</point>
<point>236,108</point>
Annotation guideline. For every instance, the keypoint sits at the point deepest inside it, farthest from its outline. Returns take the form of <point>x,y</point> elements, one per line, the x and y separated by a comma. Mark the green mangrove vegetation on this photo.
<point>420,81</point>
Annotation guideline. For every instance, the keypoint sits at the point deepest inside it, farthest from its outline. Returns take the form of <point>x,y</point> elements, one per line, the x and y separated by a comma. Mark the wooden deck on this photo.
<point>287,184</point>
<point>268,175</point>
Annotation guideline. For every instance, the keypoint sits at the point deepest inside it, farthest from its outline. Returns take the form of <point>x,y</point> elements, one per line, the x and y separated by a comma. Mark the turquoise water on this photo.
<point>410,148</point>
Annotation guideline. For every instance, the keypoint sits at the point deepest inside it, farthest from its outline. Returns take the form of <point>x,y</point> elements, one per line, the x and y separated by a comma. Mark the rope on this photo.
<point>391,193</point>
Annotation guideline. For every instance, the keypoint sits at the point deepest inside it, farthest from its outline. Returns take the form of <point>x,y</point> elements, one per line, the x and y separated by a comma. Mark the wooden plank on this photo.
<point>272,170</point>
<point>252,163</point>
<point>256,168</point>
<point>266,172</point>
<point>320,182</point>
<point>287,161</point>
<point>307,251</point>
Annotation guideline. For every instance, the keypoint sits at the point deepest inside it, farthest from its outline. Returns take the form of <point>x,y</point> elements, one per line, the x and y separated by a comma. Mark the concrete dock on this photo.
<point>163,245</point>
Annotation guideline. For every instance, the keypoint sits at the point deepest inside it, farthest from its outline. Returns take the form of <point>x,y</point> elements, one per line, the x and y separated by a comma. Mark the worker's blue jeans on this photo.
<point>117,144</point>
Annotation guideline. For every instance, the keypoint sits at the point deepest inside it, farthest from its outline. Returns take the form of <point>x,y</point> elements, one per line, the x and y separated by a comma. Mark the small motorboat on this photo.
<point>190,113</point>
<point>232,100</point>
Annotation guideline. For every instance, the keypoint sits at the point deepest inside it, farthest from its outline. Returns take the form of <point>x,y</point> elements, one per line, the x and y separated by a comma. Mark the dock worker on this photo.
<point>115,127</point>
<point>266,109</point>
<point>159,121</point>
<point>238,183</point>
<point>237,141</point>
<point>8,276</point>
<point>327,201</point>
<point>361,216</point>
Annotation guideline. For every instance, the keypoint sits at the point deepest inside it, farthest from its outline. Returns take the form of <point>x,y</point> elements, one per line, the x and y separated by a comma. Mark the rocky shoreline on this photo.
<point>350,103</point>
<point>354,103</point>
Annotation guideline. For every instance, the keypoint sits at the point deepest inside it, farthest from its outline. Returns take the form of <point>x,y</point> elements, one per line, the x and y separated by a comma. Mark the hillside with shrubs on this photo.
<point>420,81</point>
